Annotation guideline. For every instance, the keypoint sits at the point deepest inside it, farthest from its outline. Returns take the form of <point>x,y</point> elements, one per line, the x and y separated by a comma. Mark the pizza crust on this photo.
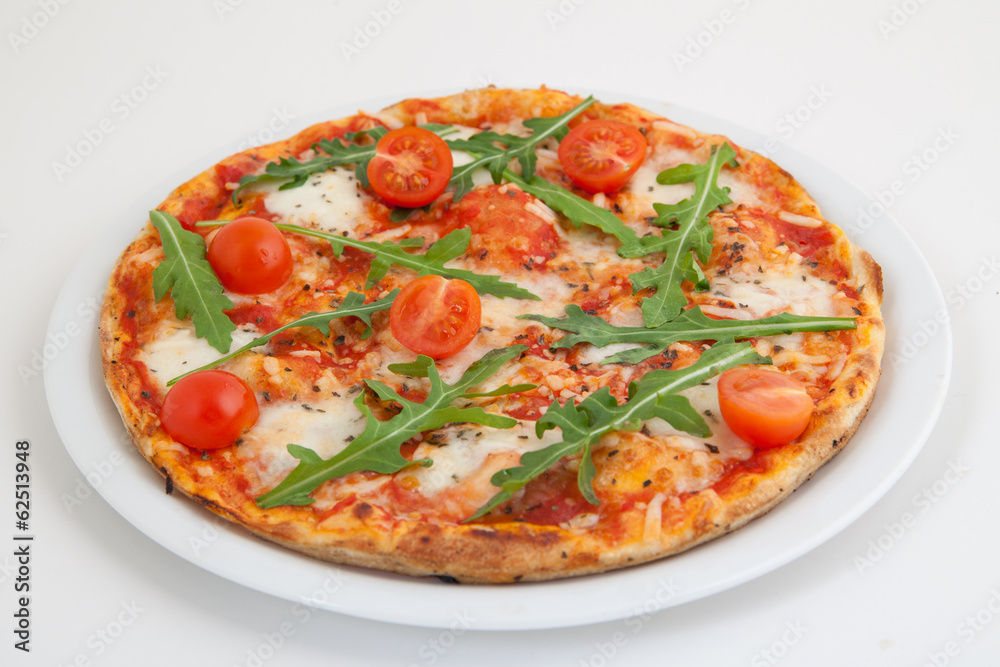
<point>362,532</point>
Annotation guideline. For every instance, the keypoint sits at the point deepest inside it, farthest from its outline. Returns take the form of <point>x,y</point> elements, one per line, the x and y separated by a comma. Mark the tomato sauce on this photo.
<point>504,234</point>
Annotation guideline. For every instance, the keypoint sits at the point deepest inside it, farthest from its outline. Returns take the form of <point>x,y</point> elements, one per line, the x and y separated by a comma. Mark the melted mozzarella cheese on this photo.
<point>704,399</point>
<point>740,192</point>
<point>175,350</point>
<point>643,187</point>
<point>462,459</point>
<point>759,295</point>
<point>325,425</point>
<point>330,201</point>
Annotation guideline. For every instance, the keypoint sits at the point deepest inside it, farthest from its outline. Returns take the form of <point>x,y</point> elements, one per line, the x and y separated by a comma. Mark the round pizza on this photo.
<point>501,336</point>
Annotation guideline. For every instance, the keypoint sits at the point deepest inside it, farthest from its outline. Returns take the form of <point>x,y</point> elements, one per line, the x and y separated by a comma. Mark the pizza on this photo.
<point>500,336</point>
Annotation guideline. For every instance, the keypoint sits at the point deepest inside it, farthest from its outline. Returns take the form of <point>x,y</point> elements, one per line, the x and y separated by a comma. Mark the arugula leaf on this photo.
<point>487,154</point>
<point>352,305</point>
<point>691,324</point>
<point>288,169</point>
<point>556,127</point>
<point>377,448</point>
<point>361,155</point>
<point>580,211</point>
<point>337,153</point>
<point>192,282</point>
<point>583,424</point>
<point>578,437</point>
<point>484,156</point>
<point>388,253</point>
<point>693,235</point>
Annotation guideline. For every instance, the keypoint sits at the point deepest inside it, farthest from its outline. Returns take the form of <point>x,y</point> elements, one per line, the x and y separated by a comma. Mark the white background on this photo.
<point>885,80</point>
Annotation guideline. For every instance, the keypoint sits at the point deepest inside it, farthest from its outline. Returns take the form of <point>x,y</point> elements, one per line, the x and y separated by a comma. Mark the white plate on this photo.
<point>917,367</point>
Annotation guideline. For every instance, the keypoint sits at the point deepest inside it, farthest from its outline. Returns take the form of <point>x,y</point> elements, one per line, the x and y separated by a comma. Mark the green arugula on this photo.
<point>353,305</point>
<point>693,235</point>
<point>388,253</point>
<point>377,448</point>
<point>690,325</point>
<point>462,175</point>
<point>580,211</point>
<point>486,153</point>
<point>583,424</point>
<point>337,152</point>
<point>192,282</point>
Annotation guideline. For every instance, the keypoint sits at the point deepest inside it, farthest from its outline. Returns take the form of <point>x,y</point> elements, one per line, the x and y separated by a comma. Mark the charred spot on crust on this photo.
<point>488,534</point>
<point>362,511</point>
<point>448,580</point>
<point>170,482</point>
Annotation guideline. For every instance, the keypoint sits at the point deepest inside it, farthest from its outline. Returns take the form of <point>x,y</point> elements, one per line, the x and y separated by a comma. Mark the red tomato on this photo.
<point>763,406</point>
<point>411,167</point>
<point>208,409</point>
<point>601,155</point>
<point>250,256</point>
<point>435,316</point>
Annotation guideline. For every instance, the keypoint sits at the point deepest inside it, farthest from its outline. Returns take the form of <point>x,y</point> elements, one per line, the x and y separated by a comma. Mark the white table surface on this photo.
<point>885,81</point>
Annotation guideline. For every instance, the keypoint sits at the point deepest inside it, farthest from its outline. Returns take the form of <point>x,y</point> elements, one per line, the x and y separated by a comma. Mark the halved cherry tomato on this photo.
<point>763,406</point>
<point>411,167</point>
<point>435,316</point>
<point>601,155</point>
<point>208,409</point>
<point>250,256</point>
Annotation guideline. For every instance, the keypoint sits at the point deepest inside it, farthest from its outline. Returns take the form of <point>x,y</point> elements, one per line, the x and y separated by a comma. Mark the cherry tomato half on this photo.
<point>763,406</point>
<point>411,167</point>
<point>435,316</point>
<point>250,256</point>
<point>208,409</point>
<point>601,155</point>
